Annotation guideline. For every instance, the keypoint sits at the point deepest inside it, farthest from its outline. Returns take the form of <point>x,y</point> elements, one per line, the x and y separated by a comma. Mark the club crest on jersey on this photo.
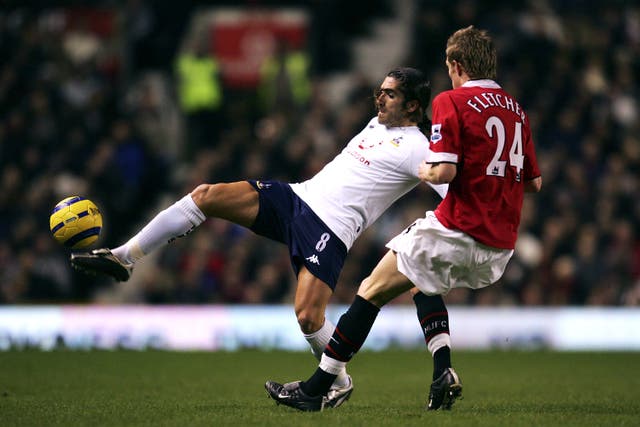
<point>261,185</point>
<point>396,141</point>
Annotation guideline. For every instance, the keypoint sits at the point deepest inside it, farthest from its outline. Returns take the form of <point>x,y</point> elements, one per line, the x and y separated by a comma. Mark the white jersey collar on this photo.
<point>488,83</point>
<point>375,118</point>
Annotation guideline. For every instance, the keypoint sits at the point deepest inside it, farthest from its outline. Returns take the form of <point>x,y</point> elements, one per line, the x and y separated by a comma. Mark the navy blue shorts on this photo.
<point>286,218</point>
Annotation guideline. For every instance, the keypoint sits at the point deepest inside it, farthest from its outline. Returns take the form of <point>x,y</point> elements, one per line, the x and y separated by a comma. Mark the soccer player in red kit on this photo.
<point>481,145</point>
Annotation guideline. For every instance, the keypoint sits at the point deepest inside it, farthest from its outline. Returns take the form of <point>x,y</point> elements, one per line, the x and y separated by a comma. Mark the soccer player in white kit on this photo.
<point>481,144</point>
<point>318,219</point>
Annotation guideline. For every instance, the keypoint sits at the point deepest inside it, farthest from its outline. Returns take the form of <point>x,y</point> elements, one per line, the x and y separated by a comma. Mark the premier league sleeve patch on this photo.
<point>436,136</point>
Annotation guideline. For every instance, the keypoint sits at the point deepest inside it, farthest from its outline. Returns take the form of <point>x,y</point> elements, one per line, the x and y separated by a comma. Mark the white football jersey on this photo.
<point>376,168</point>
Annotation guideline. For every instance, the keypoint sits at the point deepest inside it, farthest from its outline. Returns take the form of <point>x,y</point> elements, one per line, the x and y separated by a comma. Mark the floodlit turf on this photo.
<point>214,389</point>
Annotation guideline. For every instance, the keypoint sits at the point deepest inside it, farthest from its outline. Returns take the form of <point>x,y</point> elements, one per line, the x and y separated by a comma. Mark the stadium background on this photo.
<point>89,104</point>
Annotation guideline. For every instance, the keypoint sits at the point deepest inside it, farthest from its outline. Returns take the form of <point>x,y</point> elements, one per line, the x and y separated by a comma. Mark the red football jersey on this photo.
<point>486,133</point>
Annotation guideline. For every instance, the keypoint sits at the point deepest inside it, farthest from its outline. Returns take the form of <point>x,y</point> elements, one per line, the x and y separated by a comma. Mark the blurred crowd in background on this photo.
<point>92,102</point>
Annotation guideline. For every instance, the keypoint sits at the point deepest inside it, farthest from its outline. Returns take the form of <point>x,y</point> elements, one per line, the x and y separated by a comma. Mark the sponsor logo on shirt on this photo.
<point>359,157</point>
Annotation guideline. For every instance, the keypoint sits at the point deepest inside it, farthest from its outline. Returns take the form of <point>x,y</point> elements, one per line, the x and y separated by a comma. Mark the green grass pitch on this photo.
<point>501,388</point>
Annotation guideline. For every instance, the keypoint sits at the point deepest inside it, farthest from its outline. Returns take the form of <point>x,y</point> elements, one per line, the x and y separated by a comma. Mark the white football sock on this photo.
<point>439,341</point>
<point>331,365</point>
<point>318,340</point>
<point>175,221</point>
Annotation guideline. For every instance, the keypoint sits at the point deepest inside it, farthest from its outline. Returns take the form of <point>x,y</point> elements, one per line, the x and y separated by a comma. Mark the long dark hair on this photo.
<point>415,86</point>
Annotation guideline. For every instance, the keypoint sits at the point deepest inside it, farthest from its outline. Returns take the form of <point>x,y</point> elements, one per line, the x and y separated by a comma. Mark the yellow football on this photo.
<point>75,222</point>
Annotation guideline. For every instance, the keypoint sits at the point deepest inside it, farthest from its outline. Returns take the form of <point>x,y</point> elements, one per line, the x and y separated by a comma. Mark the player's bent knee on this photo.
<point>201,194</point>
<point>377,293</point>
<point>205,196</point>
<point>367,289</point>
<point>308,322</point>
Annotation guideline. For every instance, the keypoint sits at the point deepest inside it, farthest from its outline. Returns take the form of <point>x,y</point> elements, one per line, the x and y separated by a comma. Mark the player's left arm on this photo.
<point>533,185</point>
<point>532,175</point>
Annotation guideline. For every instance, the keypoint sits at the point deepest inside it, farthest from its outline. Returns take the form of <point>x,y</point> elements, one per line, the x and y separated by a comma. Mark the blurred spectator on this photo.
<point>77,115</point>
<point>200,95</point>
<point>60,134</point>
<point>284,80</point>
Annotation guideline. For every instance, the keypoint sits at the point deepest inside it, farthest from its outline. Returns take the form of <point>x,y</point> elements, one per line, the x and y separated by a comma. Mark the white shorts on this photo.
<point>437,259</point>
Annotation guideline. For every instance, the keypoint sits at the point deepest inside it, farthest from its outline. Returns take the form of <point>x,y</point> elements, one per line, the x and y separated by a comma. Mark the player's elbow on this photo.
<point>534,185</point>
<point>443,173</point>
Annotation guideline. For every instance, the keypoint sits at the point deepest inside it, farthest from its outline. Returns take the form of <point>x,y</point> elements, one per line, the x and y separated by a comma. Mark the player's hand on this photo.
<point>424,171</point>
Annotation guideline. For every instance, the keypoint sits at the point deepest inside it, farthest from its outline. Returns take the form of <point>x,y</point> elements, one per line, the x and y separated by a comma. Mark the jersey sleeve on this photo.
<point>445,143</point>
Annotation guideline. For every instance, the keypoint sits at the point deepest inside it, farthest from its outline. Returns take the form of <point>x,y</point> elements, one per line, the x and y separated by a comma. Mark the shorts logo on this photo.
<point>313,259</point>
<point>262,185</point>
<point>408,228</point>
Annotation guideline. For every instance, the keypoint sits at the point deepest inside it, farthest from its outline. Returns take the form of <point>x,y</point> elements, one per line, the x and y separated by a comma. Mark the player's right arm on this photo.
<point>441,164</point>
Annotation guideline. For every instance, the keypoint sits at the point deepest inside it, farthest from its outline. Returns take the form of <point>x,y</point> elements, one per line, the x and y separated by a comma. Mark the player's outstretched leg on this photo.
<point>444,390</point>
<point>102,261</point>
<point>173,222</point>
<point>290,394</point>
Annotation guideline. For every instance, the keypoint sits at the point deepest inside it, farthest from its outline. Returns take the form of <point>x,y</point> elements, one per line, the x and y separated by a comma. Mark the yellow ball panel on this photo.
<point>75,222</point>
